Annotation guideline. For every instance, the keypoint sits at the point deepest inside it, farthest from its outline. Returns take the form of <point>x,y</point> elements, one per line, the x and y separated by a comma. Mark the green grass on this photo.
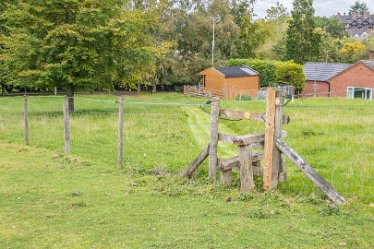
<point>50,200</point>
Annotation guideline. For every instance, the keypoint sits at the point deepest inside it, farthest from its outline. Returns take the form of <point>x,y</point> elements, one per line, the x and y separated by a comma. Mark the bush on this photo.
<point>274,71</point>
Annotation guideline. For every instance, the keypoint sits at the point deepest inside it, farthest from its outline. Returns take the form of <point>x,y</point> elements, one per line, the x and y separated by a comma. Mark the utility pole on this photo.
<point>215,21</point>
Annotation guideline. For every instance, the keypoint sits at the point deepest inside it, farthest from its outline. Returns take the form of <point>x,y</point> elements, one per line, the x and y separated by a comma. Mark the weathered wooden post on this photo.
<point>246,169</point>
<point>66,125</point>
<point>214,118</point>
<point>279,165</point>
<point>274,167</point>
<point>120,133</point>
<point>26,120</point>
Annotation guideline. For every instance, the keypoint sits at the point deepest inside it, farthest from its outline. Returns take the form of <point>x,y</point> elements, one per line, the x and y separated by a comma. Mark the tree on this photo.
<point>303,42</point>
<point>359,7</point>
<point>78,44</point>
<point>353,51</point>
<point>331,26</point>
<point>4,67</point>
<point>276,12</point>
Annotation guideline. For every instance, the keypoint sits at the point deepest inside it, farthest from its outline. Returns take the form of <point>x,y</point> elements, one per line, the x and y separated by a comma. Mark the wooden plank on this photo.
<point>321,183</point>
<point>234,163</point>
<point>197,162</point>
<point>246,170</point>
<point>121,113</point>
<point>214,118</point>
<point>242,140</point>
<point>26,121</point>
<point>66,125</point>
<point>269,139</point>
<point>242,115</point>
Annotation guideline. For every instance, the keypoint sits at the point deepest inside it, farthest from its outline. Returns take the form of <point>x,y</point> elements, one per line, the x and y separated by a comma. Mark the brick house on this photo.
<point>340,80</point>
<point>232,81</point>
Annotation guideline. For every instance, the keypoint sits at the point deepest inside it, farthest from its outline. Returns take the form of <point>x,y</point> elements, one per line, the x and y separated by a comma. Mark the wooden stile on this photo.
<point>66,125</point>
<point>213,139</point>
<point>26,121</point>
<point>120,133</point>
<point>330,192</point>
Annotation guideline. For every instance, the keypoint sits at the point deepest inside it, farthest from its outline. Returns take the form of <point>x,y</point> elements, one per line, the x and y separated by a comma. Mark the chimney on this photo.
<point>354,14</point>
<point>371,57</point>
<point>366,15</point>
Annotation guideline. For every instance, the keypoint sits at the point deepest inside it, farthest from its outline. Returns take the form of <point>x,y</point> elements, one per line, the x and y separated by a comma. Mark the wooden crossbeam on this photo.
<point>234,163</point>
<point>196,163</point>
<point>242,115</point>
<point>321,183</point>
<point>254,116</point>
<point>242,140</point>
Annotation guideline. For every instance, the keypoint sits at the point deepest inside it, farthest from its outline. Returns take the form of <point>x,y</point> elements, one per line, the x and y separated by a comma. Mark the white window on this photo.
<point>360,93</point>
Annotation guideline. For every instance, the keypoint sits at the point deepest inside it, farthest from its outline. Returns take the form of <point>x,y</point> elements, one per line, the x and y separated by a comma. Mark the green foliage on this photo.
<point>272,72</point>
<point>266,68</point>
<point>303,42</point>
<point>76,44</point>
<point>331,26</point>
<point>359,7</point>
<point>291,73</point>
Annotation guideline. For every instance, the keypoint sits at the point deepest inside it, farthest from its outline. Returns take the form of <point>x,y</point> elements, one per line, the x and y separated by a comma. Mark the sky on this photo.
<point>322,7</point>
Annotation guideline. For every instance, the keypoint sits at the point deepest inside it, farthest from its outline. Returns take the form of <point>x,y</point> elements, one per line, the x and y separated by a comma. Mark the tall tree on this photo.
<point>78,44</point>
<point>303,42</point>
<point>4,67</point>
<point>359,7</point>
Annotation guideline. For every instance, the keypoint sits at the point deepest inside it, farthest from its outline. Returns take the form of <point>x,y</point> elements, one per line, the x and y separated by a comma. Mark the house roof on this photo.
<point>233,72</point>
<point>323,71</point>
<point>369,63</point>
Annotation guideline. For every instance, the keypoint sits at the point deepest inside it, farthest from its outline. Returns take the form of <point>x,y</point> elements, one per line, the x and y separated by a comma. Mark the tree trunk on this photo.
<point>2,89</point>
<point>70,95</point>
<point>139,87</point>
<point>154,88</point>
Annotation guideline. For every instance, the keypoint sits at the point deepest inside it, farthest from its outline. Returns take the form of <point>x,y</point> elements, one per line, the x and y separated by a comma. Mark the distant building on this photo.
<point>232,81</point>
<point>357,25</point>
<point>352,81</point>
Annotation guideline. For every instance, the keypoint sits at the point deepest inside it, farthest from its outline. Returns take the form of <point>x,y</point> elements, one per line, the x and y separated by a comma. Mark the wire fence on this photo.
<point>165,132</point>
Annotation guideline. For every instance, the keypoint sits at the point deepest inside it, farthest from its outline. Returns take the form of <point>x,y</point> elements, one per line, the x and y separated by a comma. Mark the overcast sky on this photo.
<point>322,7</point>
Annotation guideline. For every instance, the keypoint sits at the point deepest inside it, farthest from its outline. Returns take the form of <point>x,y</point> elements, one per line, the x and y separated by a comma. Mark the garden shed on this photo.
<point>232,81</point>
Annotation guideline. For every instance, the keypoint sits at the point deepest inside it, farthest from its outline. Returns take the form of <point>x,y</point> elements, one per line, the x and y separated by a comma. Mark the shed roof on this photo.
<point>233,72</point>
<point>323,71</point>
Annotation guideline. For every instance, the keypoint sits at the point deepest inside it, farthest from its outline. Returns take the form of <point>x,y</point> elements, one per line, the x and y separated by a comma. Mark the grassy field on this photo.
<point>51,200</point>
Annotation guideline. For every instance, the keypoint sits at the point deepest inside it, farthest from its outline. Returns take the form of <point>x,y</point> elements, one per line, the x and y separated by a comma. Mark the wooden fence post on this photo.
<point>279,170</point>
<point>66,125</point>
<point>246,169</point>
<point>269,139</point>
<point>120,133</point>
<point>214,118</point>
<point>26,121</point>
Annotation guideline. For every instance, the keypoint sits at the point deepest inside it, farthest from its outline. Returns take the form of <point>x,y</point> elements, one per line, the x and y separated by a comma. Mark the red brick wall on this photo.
<point>358,75</point>
<point>321,89</point>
